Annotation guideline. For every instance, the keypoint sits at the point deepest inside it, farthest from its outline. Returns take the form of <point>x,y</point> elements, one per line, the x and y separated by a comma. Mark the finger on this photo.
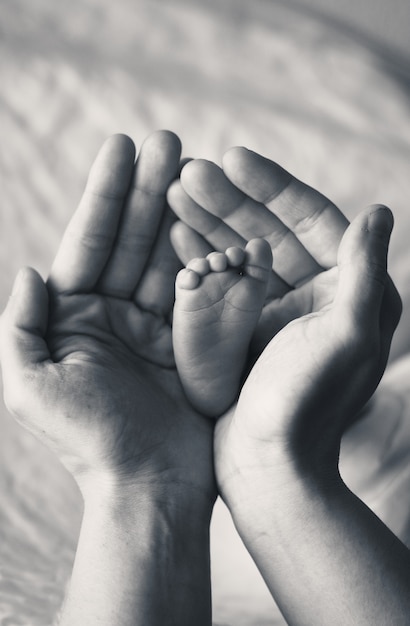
<point>187,243</point>
<point>316,222</point>
<point>155,291</point>
<point>89,237</point>
<point>156,167</point>
<point>23,327</point>
<point>208,186</point>
<point>211,227</point>
<point>213,230</point>
<point>362,265</point>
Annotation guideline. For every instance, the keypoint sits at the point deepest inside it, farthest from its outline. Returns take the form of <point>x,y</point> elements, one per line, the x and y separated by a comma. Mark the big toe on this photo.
<point>258,263</point>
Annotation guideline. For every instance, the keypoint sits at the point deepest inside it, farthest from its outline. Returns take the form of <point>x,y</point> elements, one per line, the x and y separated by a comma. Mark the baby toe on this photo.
<point>236,256</point>
<point>217,261</point>
<point>187,279</point>
<point>259,252</point>
<point>199,265</point>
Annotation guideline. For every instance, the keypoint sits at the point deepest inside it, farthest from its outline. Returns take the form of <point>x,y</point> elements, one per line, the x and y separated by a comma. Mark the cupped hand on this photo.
<point>87,357</point>
<point>318,371</point>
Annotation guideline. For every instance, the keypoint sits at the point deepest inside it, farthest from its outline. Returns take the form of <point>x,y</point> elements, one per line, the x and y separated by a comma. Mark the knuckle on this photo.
<point>92,241</point>
<point>309,222</point>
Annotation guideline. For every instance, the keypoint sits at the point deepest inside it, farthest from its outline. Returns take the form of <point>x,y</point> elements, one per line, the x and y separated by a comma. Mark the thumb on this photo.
<point>22,330</point>
<point>362,263</point>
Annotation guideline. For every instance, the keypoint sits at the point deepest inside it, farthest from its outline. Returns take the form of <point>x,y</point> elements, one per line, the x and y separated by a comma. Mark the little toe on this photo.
<point>187,279</point>
<point>235,256</point>
<point>258,262</point>
<point>217,261</point>
<point>199,265</point>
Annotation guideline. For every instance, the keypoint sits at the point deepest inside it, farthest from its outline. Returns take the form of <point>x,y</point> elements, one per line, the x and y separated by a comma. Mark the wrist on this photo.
<point>275,509</point>
<point>154,523</point>
<point>130,499</point>
<point>315,543</point>
<point>262,479</point>
<point>150,547</point>
<point>112,490</point>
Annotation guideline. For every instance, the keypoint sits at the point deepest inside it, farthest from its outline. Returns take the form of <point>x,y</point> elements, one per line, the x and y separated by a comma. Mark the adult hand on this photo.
<point>87,358</point>
<point>277,456</point>
<point>317,372</point>
<point>88,368</point>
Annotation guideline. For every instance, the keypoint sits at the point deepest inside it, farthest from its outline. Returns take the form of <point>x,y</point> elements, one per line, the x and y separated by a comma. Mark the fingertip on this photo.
<point>25,279</point>
<point>380,220</point>
<point>28,304</point>
<point>165,139</point>
<point>111,171</point>
<point>197,169</point>
<point>121,140</point>
<point>362,262</point>
<point>157,163</point>
<point>233,156</point>
<point>376,220</point>
<point>253,174</point>
<point>238,157</point>
<point>116,148</point>
<point>22,344</point>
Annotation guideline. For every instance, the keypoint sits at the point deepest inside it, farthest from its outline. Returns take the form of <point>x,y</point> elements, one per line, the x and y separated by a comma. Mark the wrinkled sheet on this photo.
<point>218,73</point>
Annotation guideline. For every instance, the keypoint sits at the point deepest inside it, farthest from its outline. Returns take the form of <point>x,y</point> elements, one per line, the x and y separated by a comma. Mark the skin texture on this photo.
<point>218,301</point>
<point>88,367</point>
<point>325,557</point>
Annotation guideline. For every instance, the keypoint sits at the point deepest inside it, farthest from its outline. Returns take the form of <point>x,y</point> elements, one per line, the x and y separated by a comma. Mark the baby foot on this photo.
<point>218,302</point>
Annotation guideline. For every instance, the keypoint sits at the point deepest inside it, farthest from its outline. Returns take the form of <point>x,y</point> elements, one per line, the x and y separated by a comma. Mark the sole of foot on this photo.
<point>218,301</point>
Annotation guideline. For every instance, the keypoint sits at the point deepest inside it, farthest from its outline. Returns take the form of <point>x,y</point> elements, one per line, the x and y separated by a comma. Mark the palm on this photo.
<point>317,372</point>
<point>96,344</point>
<point>90,326</point>
<point>295,359</point>
<point>311,297</point>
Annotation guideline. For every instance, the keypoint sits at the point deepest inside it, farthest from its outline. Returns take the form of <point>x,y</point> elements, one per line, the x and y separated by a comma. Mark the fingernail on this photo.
<point>380,220</point>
